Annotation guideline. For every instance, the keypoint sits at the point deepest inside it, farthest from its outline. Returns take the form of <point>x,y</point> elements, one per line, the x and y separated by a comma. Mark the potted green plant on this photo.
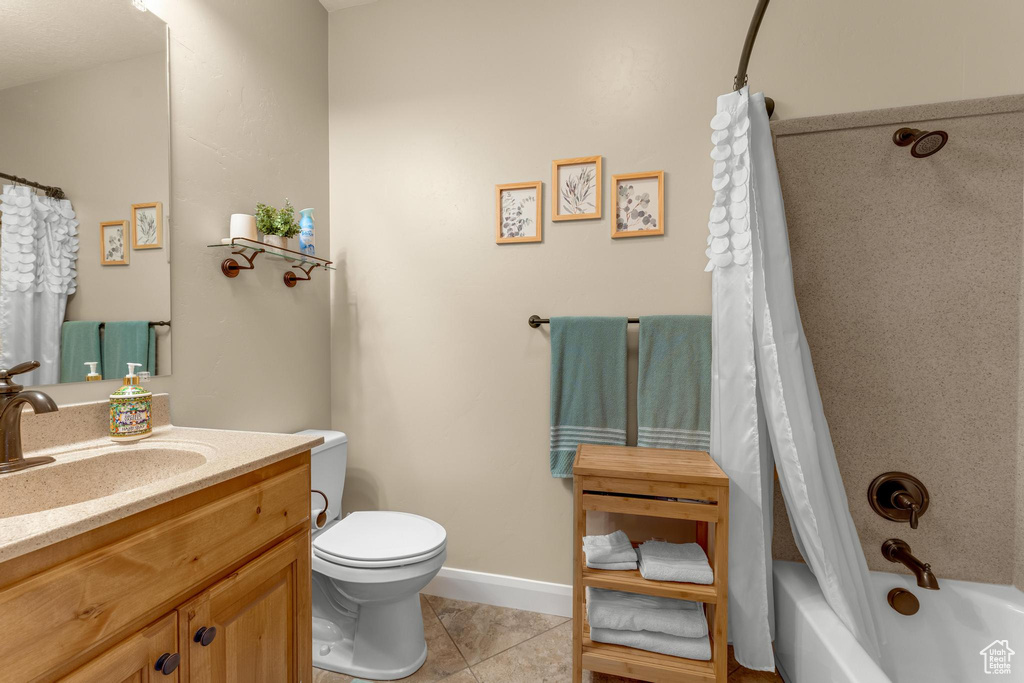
<point>277,225</point>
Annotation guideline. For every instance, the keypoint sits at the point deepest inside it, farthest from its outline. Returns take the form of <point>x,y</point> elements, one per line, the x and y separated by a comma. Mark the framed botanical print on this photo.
<point>638,204</point>
<point>518,209</point>
<point>576,192</point>
<point>148,226</point>
<point>114,243</point>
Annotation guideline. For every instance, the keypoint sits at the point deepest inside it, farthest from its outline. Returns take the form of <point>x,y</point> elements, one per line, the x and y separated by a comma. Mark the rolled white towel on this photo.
<point>685,562</point>
<point>612,565</point>
<point>690,648</point>
<point>621,611</point>
<point>613,547</point>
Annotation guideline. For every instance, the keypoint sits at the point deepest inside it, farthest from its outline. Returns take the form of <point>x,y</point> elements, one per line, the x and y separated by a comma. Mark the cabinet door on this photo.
<point>255,626</point>
<point>134,660</point>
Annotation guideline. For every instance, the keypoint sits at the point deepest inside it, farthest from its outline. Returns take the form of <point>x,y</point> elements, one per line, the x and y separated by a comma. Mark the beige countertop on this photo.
<point>82,490</point>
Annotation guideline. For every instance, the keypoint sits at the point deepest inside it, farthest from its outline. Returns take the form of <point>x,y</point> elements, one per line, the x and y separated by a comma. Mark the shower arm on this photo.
<point>748,46</point>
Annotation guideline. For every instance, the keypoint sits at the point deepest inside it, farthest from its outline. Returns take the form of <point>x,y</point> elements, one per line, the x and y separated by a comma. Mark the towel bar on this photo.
<point>536,321</point>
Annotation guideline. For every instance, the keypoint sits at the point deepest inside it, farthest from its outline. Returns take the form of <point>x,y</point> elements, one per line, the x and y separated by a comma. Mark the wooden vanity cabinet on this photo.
<point>232,559</point>
<point>135,659</point>
<point>257,619</point>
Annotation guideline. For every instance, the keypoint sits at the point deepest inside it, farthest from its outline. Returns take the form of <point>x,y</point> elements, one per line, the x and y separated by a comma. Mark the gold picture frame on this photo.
<point>636,202</point>
<point>114,243</point>
<point>575,187</point>
<point>517,221</point>
<point>148,225</point>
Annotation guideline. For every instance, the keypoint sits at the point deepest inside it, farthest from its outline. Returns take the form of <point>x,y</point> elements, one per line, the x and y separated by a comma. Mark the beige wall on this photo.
<point>249,123</point>
<point>101,136</point>
<point>913,320</point>
<point>436,377</point>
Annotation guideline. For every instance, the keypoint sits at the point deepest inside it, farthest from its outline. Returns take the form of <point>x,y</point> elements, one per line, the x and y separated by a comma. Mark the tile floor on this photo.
<point>472,643</point>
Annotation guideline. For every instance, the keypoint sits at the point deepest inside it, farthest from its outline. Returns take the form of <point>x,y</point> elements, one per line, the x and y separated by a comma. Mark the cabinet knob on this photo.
<point>168,663</point>
<point>204,636</point>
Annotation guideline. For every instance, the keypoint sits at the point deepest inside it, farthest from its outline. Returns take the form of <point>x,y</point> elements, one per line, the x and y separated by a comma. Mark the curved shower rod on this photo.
<point>748,46</point>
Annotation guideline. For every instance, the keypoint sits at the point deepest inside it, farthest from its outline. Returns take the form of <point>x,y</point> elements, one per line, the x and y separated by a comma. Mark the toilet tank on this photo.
<point>327,474</point>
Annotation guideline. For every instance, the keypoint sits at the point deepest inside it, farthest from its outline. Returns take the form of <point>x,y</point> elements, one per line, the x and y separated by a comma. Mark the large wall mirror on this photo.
<point>84,189</point>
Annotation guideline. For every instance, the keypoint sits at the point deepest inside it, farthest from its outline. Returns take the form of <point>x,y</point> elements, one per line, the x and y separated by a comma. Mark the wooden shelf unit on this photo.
<point>637,481</point>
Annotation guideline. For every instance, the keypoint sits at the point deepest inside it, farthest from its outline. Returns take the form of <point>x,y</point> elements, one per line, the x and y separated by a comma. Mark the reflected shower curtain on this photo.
<point>38,257</point>
<point>766,408</point>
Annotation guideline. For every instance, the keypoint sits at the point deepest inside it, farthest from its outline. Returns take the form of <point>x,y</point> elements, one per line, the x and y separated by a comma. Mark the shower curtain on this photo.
<point>766,408</point>
<point>38,257</point>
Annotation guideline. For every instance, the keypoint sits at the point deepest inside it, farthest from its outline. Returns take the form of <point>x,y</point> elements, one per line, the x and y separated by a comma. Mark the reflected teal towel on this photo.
<point>588,386</point>
<point>673,405</point>
<point>131,341</point>
<point>79,344</point>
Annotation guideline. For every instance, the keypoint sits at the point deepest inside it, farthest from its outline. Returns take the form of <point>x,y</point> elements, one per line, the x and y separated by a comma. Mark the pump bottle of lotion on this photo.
<point>131,409</point>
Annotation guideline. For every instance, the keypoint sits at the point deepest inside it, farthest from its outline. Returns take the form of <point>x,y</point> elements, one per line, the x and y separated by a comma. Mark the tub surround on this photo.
<point>226,454</point>
<point>914,321</point>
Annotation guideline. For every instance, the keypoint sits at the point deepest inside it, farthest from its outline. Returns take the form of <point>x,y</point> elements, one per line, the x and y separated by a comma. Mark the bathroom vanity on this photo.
<point>184,557</point>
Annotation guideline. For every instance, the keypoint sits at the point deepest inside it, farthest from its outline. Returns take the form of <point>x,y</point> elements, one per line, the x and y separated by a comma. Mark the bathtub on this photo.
<point>942,643</point>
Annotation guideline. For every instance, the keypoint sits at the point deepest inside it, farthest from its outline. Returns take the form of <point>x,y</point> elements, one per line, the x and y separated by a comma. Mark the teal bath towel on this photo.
<point>673,406</point>
<point>131,341</point>
<point>79,344</point>
<point>588,386</point>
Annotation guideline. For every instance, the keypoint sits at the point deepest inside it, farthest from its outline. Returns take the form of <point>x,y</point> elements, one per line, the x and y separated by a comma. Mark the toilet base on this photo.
<point>335,654</point>
<point>382,641</point>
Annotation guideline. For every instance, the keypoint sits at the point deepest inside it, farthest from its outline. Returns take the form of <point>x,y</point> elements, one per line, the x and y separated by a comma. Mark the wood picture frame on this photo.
<point>637,198</point>
<point>114,243</point>
<point>516,220</point>
<point>575,187</point>
<point>148,225</point>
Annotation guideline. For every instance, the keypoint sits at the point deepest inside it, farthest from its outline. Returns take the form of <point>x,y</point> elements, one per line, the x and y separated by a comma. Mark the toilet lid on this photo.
<point>380,539</point>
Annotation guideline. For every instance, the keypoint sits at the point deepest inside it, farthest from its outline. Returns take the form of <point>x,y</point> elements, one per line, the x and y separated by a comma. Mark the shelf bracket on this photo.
<point>231,267</point>
<point>290,278</point>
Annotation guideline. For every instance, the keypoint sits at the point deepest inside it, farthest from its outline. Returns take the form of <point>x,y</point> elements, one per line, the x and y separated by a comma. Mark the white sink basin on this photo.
<point>91,474</point>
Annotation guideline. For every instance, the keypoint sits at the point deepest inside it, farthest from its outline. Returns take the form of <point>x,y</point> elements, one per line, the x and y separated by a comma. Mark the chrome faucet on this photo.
<point>12,400</point>
<point>896,550</point>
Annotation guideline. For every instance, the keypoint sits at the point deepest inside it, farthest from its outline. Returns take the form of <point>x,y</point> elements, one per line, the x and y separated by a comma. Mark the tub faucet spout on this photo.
<point>896,550</point>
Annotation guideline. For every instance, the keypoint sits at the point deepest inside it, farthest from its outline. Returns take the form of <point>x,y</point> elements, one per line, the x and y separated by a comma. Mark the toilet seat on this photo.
<point>380,539</point>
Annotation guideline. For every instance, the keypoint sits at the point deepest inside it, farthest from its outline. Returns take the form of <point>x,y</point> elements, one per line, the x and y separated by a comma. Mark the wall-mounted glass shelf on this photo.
<point>250,249</point>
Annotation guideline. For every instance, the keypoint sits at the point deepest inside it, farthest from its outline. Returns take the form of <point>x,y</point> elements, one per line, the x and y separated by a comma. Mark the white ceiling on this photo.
<point>332,5</point>
<point>44,38</point>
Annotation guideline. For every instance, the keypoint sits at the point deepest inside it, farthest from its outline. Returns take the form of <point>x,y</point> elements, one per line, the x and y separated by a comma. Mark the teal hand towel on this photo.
<point>79,344</point>
<point>125,342</point>
<point>673,405</point>
<point>588,386</point>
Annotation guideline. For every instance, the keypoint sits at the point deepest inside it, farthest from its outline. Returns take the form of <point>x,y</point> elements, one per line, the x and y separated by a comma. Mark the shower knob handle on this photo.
<point>904,501</point>
<point>898,497</point>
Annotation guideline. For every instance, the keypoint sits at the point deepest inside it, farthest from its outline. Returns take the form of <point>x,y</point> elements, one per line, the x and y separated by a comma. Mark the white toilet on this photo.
<point>368,569</point>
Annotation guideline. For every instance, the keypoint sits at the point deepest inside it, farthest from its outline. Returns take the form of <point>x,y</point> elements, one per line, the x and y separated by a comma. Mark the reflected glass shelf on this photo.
<point>279,252</point>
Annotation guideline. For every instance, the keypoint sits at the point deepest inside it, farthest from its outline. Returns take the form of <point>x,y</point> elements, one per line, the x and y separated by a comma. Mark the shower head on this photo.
<point>922,143</point>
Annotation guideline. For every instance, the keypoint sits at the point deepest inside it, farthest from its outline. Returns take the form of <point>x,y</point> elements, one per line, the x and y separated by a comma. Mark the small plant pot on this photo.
<point>275,241</point>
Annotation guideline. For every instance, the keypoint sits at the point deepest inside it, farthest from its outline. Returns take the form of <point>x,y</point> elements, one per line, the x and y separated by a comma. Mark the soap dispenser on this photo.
<point>131,409</point>
<point>93,376</point>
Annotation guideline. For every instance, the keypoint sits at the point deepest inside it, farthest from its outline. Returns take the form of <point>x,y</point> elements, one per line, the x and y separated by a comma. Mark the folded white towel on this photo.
<point>691,648</point>
<point>613,547</point>
<point>612,565</point>
<point>686,562</point>
<point>634,612</point>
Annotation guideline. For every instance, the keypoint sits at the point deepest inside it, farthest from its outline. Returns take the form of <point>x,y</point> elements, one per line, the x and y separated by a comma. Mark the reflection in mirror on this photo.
<point>84,189</point>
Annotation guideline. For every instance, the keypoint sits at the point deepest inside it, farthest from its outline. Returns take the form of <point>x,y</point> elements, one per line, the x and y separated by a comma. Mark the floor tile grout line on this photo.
<point>521,642</point>
<point>447,633</point>
<point>465,659</point>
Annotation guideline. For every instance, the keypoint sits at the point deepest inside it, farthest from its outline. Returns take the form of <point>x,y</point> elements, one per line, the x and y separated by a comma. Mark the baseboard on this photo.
<point>502,591</point>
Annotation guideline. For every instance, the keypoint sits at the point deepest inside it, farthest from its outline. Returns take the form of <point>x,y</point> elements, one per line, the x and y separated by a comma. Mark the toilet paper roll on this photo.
<point>316,521</point>
<point>243,225</point>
